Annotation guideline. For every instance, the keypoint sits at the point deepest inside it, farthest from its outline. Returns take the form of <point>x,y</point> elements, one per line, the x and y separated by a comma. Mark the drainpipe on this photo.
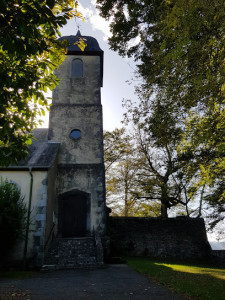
<point>28,219</point>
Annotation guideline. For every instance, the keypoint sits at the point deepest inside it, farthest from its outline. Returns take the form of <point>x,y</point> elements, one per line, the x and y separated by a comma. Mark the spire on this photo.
<point>78,32</point>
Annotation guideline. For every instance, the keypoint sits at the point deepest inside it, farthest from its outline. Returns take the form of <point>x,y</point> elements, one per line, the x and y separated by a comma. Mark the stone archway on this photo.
<point>74,214</point>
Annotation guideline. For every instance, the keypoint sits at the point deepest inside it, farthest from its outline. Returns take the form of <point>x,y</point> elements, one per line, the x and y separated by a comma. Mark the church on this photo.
<point>63,182</point>
<point>63,178</point>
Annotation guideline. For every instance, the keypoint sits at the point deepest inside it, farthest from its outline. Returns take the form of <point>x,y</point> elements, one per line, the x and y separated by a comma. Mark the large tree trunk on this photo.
<point>164,214</point>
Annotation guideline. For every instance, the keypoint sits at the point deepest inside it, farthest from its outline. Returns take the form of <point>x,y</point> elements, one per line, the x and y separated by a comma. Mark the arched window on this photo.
<point>77,68</point>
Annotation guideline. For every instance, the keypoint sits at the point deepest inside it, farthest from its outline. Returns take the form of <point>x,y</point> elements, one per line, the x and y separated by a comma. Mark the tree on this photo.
<point>158,132</point>
<point>121,168</point>
<point>29,53</point>
<point>179,44</point>
<point>114,147</point>
<point>12,216</point>
<point>179,47</point>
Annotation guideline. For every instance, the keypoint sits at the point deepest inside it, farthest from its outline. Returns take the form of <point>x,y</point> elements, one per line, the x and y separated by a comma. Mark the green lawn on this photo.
<point>16,274</point>
<point>195,281</point>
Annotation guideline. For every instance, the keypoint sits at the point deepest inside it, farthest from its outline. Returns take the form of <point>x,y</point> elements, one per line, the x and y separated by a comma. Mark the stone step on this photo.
<point>68,253</point>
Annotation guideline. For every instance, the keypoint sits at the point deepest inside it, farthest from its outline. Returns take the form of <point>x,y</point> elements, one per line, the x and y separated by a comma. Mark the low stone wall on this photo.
<point>182,238</point>
<point>218,255</point>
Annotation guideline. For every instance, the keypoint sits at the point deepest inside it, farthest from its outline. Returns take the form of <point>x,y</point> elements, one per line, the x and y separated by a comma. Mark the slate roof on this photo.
<point>91,48</point>
<point>43,153</point>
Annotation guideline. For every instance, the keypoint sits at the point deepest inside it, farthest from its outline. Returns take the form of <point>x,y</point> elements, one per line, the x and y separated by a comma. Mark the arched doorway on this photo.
<point>74,214</point>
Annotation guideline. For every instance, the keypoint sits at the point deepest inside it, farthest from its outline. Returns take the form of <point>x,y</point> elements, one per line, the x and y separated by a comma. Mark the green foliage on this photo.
<point>134,188</point>
<point>12,216</point>
<point>194,281</point>
<point>146,208</point>
<point>122,165</point>
<point>114,145</point>
<point>158,130</point>
<point>16,274</point>
<point>29,53</point>
<point>121,171</point>
<point>179,47</point>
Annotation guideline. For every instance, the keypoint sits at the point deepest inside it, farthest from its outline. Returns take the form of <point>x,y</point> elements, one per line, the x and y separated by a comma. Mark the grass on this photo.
<point>194,281</point>
<point>16,274</point>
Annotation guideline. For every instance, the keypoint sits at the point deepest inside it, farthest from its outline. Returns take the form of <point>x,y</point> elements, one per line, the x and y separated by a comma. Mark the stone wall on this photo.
<point>182,238</point>
<point>218,256</point>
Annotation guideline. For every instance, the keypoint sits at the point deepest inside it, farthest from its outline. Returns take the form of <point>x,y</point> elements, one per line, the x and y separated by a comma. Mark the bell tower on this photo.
<point>76,123</point>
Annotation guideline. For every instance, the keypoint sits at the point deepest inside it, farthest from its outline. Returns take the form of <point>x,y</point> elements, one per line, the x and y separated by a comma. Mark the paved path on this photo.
<point>114,282</point>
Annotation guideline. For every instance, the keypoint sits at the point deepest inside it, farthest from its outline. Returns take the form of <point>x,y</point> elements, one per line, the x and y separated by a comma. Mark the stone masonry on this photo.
<point>180,238</point>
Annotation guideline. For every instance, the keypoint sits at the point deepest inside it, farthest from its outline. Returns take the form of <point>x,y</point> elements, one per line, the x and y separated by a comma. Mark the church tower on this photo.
<point>76,123</point>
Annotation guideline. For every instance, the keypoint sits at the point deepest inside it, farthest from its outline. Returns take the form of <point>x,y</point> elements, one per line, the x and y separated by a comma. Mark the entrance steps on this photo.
<point>69,253</point>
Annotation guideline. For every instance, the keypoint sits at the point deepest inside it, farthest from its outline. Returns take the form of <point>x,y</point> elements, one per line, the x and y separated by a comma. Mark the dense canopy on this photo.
<point>179,47</point>
<point>29,52</point>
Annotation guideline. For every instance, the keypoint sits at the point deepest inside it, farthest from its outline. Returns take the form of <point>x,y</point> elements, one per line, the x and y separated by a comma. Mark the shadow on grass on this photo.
<point>195,281</point>
<point>16,274</point>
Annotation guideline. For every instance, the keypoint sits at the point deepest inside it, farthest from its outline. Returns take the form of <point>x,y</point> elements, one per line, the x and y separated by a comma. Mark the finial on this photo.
<point>78,28</point>
<point>78,31</point>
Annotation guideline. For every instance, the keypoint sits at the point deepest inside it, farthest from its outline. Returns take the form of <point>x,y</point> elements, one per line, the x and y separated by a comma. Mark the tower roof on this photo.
<point>92,47</point>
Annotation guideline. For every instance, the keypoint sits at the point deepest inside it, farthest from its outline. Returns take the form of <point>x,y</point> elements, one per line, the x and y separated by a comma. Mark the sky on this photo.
<point>117,70</point>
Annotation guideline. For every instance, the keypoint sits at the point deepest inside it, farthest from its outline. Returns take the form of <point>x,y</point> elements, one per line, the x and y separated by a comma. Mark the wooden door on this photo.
<point>74,216</point>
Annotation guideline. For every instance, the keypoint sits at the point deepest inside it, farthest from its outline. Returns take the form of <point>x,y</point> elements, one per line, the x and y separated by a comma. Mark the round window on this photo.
<point>75,134</point>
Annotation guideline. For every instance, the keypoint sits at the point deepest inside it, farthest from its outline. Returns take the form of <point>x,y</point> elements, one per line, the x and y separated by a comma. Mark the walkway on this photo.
<point>114,282</point>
